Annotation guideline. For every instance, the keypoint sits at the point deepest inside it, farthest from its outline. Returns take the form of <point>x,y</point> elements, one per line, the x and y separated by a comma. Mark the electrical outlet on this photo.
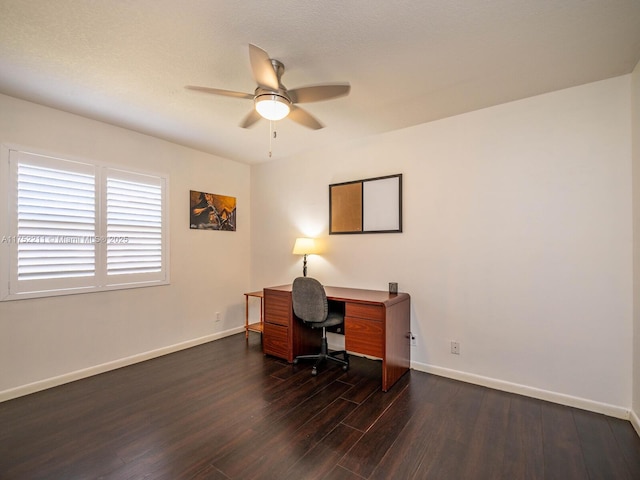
<point>217,316</point>
<point>455,348</point>
<point>414,340</point>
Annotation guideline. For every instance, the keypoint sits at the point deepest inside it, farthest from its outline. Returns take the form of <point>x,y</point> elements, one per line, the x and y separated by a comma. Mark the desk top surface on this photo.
<point>356,295</point>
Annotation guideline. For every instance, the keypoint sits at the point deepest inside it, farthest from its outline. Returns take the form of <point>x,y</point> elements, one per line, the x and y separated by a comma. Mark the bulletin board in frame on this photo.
<point>371,205</point>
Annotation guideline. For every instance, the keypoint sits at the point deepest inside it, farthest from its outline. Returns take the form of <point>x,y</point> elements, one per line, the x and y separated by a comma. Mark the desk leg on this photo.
<point>261,313</point>
<point>246,318</point>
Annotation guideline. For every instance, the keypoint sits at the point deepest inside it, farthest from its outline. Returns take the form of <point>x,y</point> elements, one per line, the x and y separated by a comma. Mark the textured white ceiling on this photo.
<point>126,62</point>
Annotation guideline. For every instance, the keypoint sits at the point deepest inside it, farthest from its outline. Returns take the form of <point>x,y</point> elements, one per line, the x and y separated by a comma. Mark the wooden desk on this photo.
<point>377,324</point>
<point>253,327</point>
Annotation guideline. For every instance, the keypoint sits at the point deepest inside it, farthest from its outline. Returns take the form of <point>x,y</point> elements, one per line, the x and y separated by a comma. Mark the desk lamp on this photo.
<point>304,246</point>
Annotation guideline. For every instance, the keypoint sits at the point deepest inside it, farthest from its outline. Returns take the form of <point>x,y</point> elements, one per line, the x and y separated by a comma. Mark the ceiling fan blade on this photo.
<point>318,93</point>
<point>304,118</point>
<point>217,91</point>
<point>251,118</point>
<point>262,68</point>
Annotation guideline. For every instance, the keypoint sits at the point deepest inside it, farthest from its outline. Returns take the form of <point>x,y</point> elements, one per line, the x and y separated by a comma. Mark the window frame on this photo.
<point>12,289</point>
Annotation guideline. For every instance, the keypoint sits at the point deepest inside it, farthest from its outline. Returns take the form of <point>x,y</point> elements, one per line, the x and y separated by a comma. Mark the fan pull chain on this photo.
<point>272,135</point>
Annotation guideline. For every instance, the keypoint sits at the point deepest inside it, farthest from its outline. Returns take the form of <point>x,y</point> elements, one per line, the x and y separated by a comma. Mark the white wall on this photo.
<point>635,123</point>
<point>517,239</point>
<point>44,341</point>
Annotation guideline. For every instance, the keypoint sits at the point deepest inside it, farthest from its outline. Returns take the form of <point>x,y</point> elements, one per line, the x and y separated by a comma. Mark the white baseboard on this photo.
<point>562,399</point>
<point>635,421</point>
<point>105,367</point>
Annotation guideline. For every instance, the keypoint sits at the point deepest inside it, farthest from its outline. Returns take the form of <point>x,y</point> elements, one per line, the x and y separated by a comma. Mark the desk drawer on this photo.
<point>275,340</point>
<point>372,312</point>
<point>277,307</point>
<point>364,336</point>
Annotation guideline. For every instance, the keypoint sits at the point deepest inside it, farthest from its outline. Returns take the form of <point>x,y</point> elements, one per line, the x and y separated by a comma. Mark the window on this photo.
<point>80,227</point>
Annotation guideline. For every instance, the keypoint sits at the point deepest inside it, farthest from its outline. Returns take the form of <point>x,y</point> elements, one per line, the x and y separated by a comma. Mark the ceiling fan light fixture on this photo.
<point>272,107</point>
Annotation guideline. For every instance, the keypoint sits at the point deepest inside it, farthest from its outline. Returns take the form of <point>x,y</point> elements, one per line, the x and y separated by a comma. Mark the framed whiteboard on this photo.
<point>372,205</point>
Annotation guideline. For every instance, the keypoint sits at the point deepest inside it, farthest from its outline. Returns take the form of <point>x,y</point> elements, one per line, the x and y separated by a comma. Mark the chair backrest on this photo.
<point>309,300</point>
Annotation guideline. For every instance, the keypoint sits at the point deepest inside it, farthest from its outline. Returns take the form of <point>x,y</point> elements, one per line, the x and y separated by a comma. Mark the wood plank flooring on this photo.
<point>224,411</point>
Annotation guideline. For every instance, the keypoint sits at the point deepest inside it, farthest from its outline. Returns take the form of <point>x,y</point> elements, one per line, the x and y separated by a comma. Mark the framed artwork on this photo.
<point>209,211</point>
<point>372,205</point>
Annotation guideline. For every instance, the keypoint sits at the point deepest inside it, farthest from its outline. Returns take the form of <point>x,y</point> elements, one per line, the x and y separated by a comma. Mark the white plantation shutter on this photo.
<point>76,227</point>
<point>56,214</point>
<point>134,224</point>
<point>54,203</point>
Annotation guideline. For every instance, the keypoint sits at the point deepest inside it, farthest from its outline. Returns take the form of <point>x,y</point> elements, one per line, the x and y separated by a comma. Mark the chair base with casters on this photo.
<point>325,355</point>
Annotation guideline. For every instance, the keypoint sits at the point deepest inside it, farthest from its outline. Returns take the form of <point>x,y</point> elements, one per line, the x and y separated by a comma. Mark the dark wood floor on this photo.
<point>225,411</point>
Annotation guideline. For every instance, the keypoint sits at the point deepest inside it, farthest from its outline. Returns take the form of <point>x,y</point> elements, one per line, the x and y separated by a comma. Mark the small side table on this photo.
<point>253,327</point>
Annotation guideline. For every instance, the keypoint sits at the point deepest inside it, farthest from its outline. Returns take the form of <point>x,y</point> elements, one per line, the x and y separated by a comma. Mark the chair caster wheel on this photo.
<point>295,361</point>
<point>345,367</point>
<point>314,371</point>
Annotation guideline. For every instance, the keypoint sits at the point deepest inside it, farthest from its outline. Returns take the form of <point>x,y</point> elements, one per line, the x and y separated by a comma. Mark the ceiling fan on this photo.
<point>274,101</point>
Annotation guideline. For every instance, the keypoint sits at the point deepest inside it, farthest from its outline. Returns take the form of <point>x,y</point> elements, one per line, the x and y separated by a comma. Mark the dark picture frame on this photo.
<point>371,205</point>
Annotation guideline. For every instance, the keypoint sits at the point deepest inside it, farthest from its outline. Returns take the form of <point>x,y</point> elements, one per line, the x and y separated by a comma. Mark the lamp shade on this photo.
<point>272,107</point>
<point>305,246</point>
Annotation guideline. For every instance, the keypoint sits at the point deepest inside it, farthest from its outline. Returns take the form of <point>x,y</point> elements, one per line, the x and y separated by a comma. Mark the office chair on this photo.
<point>311,306</point>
